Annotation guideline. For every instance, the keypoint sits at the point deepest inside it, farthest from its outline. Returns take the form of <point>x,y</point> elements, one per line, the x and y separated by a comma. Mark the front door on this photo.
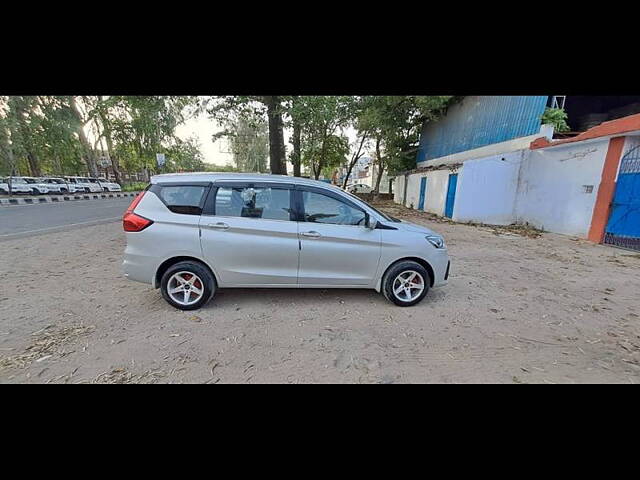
<point>623,228</point>
<point>423,190</point>
<point>335,246</point>
<point>451,195</point>
<point>250,236</point>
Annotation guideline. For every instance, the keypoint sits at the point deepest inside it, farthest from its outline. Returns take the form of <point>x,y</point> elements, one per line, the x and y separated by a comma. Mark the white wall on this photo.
<point>398,193</point>
<point>543,187</point>
<point>551,193</point>
<point>437,183</point>
<point>487,189</point>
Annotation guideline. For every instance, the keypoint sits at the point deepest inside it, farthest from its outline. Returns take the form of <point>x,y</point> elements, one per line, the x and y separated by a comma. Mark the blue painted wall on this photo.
<point>481,120</point>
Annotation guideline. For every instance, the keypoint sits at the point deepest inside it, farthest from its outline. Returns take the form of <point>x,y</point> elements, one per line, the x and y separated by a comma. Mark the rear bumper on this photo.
<point>139,268</point>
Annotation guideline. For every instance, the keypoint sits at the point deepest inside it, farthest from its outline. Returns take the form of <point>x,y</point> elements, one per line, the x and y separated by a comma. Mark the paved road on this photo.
<point>27,220</point>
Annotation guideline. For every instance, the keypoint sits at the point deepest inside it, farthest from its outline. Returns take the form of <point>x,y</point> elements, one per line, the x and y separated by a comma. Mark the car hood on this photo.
<point>412,227</point>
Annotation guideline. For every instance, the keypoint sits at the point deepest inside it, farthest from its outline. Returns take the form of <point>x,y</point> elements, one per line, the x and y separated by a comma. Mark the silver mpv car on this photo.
<point>190,234</point>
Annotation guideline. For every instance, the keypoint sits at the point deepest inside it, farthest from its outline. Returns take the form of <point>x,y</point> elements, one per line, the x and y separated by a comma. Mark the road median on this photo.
<point>33,200</point>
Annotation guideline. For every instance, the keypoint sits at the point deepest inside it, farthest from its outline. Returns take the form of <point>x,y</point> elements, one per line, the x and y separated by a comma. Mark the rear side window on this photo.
<point>254,202</point>
<point>184,199</point>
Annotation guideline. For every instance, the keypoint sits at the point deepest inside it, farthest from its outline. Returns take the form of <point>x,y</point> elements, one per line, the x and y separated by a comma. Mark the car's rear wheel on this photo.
<point>3,192</point>
<point>406,283</point>
<point>187,285</point>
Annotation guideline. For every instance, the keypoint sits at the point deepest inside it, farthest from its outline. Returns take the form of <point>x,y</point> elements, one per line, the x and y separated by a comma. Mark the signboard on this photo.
<point>160,159</point>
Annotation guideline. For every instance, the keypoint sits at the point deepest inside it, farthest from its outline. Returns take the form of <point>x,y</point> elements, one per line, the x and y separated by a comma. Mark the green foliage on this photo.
<point>556,117</point>
<point>324,156</point>
<point>395,123</point>
<point>134,187</point>
<point>248,138</point>
<point>43,133</point>
<point>184,156</point>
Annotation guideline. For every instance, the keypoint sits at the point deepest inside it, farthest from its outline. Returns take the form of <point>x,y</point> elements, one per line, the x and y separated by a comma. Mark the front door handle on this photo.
<point>218,226</point>
<point>311,234</point>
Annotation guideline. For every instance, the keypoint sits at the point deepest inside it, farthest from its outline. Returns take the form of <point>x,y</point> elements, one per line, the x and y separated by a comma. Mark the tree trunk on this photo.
<point>296,158</point>
<point>376,190</point>
<point>276,136</point>
<point>353,161</point>
<point>89,155</point>
<point>34,164</point>
<point>107,135</point>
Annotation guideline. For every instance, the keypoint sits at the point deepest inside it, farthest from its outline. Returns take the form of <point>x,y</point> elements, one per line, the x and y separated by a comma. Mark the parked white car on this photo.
<point>35,186</point>
<point>83,184</point>
<point>58,185</point>
<point>108,186</point>
<point>359,188</point>
<point>190,234</point>
<point>15,187</point>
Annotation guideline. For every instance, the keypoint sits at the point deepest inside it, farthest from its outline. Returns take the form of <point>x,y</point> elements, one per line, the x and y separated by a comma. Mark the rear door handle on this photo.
<point>311,234</point>
<point>218,226</point>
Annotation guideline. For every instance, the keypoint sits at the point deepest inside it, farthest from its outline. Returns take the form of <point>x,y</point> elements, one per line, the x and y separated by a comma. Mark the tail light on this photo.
<point>135,223</point>
<point>132,222</point>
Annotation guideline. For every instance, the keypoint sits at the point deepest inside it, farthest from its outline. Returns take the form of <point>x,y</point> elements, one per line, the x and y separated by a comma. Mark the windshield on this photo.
<point>383,215</point>
<point>30,180</point>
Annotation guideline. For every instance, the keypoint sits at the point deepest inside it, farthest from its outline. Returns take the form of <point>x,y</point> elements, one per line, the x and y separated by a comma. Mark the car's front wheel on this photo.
<point>406,283</point>
<point>187,285</point>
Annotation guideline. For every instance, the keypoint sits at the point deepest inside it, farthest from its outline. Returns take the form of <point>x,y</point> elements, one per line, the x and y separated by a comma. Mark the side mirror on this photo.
<point>370,223</point>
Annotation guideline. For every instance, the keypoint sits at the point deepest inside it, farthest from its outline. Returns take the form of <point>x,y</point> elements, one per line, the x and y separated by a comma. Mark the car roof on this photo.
<point>237,177</point>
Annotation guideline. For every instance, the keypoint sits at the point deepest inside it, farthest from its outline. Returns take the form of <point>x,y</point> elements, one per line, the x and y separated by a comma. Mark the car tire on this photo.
<point>105,189</point>
<point>204,281</point>
<point>3,192</point>
<point>402,272</point>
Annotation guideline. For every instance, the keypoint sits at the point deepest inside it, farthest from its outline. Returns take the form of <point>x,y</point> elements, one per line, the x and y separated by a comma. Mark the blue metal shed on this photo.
<point>478,121</point>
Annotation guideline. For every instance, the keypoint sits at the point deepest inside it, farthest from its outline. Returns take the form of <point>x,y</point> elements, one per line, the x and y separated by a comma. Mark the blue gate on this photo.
<point>623,228</point>
<point>423,190</point>
<point>451,195</point>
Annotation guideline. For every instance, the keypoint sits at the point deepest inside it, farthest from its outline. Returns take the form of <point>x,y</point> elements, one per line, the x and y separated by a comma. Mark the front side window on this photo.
<point>319,208</point>
<point>185,199</point>
<point>268,203</point>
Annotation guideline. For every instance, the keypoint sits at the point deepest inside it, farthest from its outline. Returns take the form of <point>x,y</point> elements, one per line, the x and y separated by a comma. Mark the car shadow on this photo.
<point>303,297</point>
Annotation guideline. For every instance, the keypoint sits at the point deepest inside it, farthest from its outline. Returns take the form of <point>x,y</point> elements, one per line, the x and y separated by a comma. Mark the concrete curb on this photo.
<point>16,200</point>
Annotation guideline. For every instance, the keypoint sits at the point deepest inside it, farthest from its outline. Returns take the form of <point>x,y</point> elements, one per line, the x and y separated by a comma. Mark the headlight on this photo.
<point>437,242</point>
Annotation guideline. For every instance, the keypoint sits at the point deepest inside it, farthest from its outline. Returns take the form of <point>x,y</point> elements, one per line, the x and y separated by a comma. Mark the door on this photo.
<point>335,246</point>
<point>451,195</point>
<point>249,235</point>
<point>623,227</point>
<point>423,191</point>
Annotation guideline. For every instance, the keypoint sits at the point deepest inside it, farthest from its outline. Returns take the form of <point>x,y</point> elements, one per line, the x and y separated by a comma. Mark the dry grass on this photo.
<point>52,341</point>
<point>122,375</point>
<point>402,212</point>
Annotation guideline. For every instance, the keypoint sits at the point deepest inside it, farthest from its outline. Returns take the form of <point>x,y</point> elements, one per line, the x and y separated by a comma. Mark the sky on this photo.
<point>203,128</point>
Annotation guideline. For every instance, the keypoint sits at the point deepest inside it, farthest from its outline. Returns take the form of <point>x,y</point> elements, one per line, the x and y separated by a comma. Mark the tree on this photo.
<point>322,155</point>
<point>321,120</point>
<point>184,156</point>
<point>230,108</point>
<point>248,138</point>
<point>394,123</point>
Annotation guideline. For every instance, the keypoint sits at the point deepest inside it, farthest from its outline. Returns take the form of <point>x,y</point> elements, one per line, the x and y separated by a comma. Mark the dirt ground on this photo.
<point>519,308</point>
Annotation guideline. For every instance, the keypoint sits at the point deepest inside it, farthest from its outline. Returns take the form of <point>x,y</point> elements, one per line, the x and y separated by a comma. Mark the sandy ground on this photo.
<point>517,309</point>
